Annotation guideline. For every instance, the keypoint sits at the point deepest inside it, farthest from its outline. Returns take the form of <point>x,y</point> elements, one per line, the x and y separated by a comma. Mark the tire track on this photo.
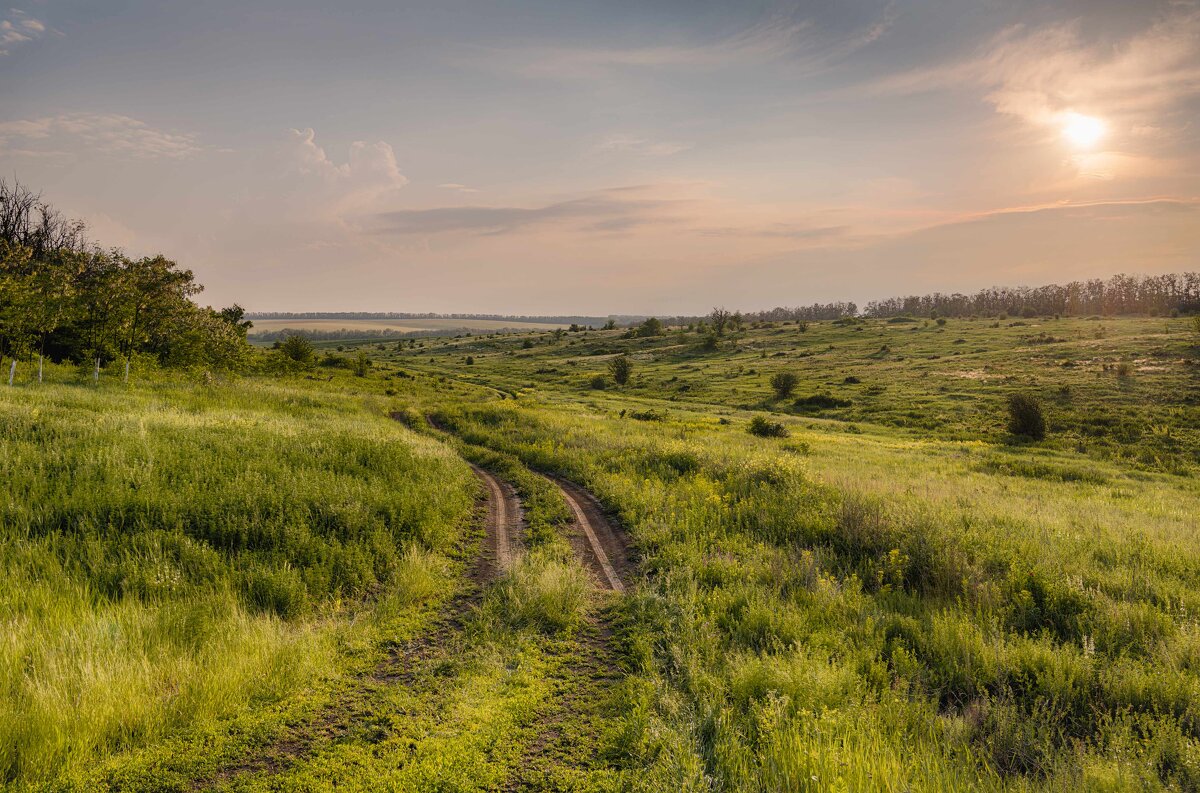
<point>604,549</point>
<point>503,526</point>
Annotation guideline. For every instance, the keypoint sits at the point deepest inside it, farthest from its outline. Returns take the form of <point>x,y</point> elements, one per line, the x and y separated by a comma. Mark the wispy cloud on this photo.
<point>645,147</point>
<point>70,133</point>
<point>19,28</point>
<point>783,36</point>
<point>607,211</point>
<point>461,188</point>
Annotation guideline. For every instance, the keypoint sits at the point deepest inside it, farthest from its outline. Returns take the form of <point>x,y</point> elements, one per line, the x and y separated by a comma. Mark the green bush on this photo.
<point>783,384</point>
<point>765,428</point>
<point>1025,416</point>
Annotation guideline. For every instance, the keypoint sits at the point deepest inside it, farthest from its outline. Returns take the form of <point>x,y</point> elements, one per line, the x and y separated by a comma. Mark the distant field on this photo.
<point>398,325</point>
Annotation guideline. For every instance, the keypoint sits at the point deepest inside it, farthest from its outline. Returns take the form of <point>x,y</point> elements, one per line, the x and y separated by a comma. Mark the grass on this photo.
<point>176,554</point>
<point>896,595</point>
<point>877,602</point>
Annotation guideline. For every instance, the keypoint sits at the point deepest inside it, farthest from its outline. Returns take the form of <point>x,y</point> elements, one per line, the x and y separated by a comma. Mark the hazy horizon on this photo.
<point>537,158</point>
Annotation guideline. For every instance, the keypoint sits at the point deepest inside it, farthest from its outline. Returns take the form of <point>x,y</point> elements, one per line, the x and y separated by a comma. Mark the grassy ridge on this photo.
<point>177,554</point>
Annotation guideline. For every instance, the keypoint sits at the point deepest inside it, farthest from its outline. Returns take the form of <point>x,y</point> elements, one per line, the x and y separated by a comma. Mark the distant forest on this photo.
<point>556,320</point>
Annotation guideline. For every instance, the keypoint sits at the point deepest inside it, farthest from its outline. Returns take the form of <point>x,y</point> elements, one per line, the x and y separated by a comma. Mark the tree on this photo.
<point>1025,417</point>
<point>298,348</point>
<point>362,364</point>
<point>720,320</point>
<point>610,324</point>
<point>620,368</point>
<point>650,327</point>
<point>783,384</point>
<point>235,315</point>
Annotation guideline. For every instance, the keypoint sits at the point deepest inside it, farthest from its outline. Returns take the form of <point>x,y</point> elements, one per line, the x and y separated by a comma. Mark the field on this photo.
<point>396,325</point>
<point>277,582</point>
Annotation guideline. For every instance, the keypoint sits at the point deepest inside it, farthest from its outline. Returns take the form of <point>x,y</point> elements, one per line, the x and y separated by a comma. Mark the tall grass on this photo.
<point>175,553</point>
<point>909,622</point>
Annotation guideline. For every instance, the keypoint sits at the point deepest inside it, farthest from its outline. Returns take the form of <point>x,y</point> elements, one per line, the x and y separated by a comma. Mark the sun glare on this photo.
<point>1082,131</point>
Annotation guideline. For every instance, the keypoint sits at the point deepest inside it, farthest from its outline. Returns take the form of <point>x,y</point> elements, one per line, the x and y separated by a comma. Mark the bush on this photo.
<point>362,364</point>
<point>651,327</point>
<point>710,343</point>
<point>599,382</point>
<point>1124,369</point>
<point>821,402</point>
<point>784,383</point>
<point>1025,417</point>
<point>620,368</point>
<point>765,428</point>
<point>298,348</point>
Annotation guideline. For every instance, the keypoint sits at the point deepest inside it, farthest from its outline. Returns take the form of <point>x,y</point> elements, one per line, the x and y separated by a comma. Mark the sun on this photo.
<point>1082,132</point>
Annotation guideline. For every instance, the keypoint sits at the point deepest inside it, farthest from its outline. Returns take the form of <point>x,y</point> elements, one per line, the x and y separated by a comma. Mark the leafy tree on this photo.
<point>298,348</point>
<point>650,327</point>
<point>784,383</point>
<point>620,368</point>
<point>1025,417</point>
<point>610,324</point>
<point>710,342</point>
<point>362,364</point>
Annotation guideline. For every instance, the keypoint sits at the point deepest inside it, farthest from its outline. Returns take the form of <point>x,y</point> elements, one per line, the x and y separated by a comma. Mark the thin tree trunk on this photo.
<point>12,370</point>
<point>39,367</point>
<point>97,375</point>
<point>126,368</point>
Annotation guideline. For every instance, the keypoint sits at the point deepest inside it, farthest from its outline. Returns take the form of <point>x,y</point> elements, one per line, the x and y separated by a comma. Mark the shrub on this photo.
<point>783,384</point>
<point>647,415</point>
<point>361,364</point>
<point>1124,369</point>
<point>298,348</point>
<point>599,382</point>
<point>941,321</point>
<point>651,327</point>
<point>765,428</point>
<point>822,402</point>
<point>470,361</point>
<point>620,368</point>
<point>1025,416</point>
<point>1196,327</point>
<point>710,343</point>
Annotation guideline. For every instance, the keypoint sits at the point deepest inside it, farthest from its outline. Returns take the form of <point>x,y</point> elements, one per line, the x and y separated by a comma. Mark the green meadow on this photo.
<point>207,581</point>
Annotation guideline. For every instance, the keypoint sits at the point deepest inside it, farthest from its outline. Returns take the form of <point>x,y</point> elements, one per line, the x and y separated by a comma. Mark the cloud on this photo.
<point>368,162</point>
<point>1039,75</point>
<point>782,36</point>
<point>19,28</point>
<point>110,133</point>
<point>462,188</point>
<point>603,212</point>
<point>641,146</point>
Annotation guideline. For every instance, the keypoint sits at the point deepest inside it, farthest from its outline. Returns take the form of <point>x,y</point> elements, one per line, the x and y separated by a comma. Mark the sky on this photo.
<point>657,156</point>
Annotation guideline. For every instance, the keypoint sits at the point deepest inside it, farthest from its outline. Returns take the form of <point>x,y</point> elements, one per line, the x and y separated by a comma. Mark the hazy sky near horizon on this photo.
<point>561,156</point>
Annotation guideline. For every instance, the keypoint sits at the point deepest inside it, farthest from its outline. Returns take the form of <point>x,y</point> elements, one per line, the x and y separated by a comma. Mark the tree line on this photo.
<point>64,297</point>
<point>1121,294</point>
